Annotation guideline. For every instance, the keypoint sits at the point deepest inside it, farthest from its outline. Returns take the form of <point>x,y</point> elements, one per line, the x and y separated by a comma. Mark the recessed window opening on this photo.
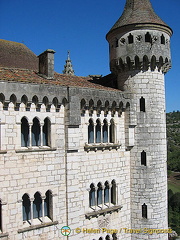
<point>99,194</point>
<point>98,131</point>
<point>113,192</point>
<point>142,104</point>
<point>36,132</point>
<point>112,131</point>
<point>130,39</point>
<point>106,193</point>
<point>144,211</point>
<point>116,43</point>
<point>107,237</point>
<point>162,39</point>
<point>46,132</point>
<point>48,205</point>
<point>37,206</point>
<point>24,132</point>
<point>143,158</point>
<point>92,196</point>
<point>105,131</point>
<point>26,205</point>
<point>91,131</point>
<point>148,37</point>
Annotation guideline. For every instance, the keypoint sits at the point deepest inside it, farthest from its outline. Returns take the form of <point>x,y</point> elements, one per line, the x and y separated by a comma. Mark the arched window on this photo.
<point>48,205</point>
<point>144,210</point>
<point>130,39</point>
<point>137,63</point>
<point>113,192</point>
<point>47,132</point>
<point>105,131</point>
<point>37,206</point>
<point>26,207</point>
<point>112,131</point>
<point>100,238</point>
<point>36,132</point>
<point>92,201</point>
<point>143,158</point>
<point>2,98</point>
<point>142,104</point>
<point>114,236</point>
<point>106,192</point>
<point>13,99</point>
<point>91,131</point>
<point>98,131</point>
<point>35,100</point>
<point>148,37</point>
<point>24,132</point>
<point>24,99</point>
<point>162,39</point>
<point>99,194</point>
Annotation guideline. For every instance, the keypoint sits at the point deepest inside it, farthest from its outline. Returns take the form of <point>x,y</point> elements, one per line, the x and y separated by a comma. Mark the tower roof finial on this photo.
<point>68,68</point>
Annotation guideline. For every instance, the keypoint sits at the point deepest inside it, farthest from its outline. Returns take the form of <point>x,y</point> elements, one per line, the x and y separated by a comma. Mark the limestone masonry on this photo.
<point>88,153</point>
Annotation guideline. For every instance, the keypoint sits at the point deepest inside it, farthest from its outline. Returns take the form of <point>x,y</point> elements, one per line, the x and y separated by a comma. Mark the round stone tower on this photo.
<point>140,56</point>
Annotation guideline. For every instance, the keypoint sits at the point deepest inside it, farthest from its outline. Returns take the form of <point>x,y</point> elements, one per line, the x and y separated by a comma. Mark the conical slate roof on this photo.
<point>138,12</point>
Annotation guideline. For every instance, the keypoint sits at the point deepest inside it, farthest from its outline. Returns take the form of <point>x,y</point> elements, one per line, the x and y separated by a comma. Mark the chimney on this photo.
<point>46,63</point>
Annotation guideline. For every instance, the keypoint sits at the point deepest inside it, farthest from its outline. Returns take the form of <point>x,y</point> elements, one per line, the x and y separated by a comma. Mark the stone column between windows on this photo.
<point>102,197</point>
<point>96,198</point>
<point>102,132</point>
<point>43,198</point>
<point>95,132</point>
<point>109,124</point>
<point>31,209</point>
<point>41,134</point>
<point>30,135</point>
<point>110,185</point>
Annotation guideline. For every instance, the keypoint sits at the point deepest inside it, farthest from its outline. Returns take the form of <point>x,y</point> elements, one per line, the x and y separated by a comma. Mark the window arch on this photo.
<point>105,131</point>
<point>26,207</point>
<point>47,132</point>
<point>112,131</point>
<point>99,194</point>
<point>55,102</point>
<point>37,206</point>
<point>2,98</point>
<point>35,100</point>
<point>24,99</point>
<point>142,104</point>
<point>106,192</point>
<point>24,132</point>
<point>107,237</point>
<point>13,99</point>
<point>91,131</point>
<point>98,131</point>
<point>143,158</point>
<point>92,201</point>
<point>45,101</point>
<point>48,205</point>
<point>114,236</point>
<point>144,211</point>
<point>113,192</point>
<point>36,132</point>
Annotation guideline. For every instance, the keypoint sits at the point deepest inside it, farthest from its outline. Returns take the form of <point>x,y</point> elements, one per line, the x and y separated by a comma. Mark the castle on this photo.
<point>88,153</point>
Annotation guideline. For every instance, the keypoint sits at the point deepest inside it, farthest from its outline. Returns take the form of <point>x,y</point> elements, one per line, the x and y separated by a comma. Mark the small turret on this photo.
<point>68,68</point>
<point>139,40</point>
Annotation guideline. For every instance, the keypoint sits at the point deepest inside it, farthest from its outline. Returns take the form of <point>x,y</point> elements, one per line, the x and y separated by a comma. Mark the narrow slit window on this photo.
<point>142,104</point>
<point>130,39</point>
<point>143,158</point>
<point>105,131</point>
<point>144,211</point>
<point>112,131</point>
<point>46,132</point>
<point>162,39</point>
<point>36,132</point>
<point>148,37</point>
<point>98,131</point>
<point>113,192</point>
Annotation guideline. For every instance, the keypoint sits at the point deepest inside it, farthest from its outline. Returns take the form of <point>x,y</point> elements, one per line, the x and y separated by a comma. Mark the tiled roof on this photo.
<point>138,12</point>
<point>30,76</point>
<point>17,55</point>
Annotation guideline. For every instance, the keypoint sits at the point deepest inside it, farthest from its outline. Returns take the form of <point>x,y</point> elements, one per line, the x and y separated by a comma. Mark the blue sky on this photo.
<point>80,26</point>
